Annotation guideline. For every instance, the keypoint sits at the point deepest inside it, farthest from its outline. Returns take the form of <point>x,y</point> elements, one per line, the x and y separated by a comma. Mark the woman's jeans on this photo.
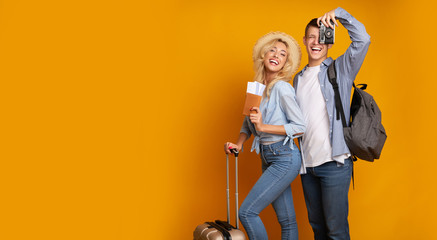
<point>280,167</point>
<point>326,190</point>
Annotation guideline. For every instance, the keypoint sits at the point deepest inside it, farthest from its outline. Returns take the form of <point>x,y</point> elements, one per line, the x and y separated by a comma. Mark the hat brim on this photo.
<point>295,53</point>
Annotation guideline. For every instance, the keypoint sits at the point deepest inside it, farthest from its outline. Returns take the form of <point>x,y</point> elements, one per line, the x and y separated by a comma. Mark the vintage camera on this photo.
<point>326,34</point>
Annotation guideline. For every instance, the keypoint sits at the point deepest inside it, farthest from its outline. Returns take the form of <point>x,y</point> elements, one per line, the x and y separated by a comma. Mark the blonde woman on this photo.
<point>274,124</point>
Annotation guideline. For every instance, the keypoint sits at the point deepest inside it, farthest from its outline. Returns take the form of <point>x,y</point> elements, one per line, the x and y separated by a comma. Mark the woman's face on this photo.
<point>275,57</point>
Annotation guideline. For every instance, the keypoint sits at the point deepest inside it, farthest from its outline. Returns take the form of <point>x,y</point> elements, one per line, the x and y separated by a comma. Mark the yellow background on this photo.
<point>114,114</point>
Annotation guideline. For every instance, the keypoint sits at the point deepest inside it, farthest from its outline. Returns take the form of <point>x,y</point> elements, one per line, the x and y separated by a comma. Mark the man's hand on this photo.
<point>327,18</point>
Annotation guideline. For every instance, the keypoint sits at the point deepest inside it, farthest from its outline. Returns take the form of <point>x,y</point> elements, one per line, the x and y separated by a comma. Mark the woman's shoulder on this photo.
<point>283,87</point>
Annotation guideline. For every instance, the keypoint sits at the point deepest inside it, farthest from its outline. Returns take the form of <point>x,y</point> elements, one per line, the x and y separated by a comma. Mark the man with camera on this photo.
<point>327,157</point>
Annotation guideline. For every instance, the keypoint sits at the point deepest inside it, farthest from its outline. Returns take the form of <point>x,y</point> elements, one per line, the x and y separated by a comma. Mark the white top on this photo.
<point>316,144</point>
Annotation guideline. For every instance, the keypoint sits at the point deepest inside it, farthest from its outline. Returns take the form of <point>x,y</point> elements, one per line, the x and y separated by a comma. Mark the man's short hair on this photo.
<point>312,23</point>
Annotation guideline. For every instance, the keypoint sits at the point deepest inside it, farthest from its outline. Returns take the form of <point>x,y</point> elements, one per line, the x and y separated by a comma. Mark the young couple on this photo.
<point>307,111</point>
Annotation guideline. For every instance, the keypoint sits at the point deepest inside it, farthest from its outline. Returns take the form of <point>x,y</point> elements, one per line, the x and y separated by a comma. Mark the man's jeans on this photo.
<point>280,167</point>
<point>326,190</point>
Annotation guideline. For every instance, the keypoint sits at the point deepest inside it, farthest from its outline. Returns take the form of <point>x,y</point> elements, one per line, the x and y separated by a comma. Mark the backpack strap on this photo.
<point>332,75</point>
<point>363,86</point>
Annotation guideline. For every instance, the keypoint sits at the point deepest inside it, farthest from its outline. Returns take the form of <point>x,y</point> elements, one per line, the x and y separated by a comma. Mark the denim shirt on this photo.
<point>347,66</point>
<point>280,109</point>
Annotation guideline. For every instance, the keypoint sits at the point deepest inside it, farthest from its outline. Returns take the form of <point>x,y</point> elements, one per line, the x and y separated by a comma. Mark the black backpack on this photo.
<point>364,134</point>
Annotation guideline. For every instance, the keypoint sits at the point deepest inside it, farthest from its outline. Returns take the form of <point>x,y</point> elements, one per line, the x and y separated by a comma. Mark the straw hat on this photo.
<point>294,56</point>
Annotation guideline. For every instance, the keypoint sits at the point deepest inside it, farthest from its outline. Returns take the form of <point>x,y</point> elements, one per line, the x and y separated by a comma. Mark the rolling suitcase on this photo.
<point>223,230</point>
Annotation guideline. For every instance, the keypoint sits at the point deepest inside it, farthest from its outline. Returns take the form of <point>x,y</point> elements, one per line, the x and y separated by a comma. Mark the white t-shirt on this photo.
<point>317,147</point>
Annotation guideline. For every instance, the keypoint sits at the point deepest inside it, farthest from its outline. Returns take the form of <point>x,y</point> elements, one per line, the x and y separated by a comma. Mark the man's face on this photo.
<point>317,52</point>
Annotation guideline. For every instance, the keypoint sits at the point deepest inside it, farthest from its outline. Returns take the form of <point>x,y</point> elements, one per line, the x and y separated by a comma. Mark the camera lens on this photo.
<point>328,33</point>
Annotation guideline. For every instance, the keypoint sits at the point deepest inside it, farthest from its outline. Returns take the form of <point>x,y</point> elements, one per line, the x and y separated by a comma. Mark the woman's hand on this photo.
<point>256,118</point>
<point>229,145</point>
<point>326,19</point>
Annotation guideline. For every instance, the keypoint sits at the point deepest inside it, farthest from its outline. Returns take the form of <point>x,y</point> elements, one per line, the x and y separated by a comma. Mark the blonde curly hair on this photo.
<point>291,65</point>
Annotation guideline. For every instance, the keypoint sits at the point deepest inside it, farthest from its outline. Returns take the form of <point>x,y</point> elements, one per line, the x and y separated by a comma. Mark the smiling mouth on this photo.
<point>274,62</point>
<point>316,49</point>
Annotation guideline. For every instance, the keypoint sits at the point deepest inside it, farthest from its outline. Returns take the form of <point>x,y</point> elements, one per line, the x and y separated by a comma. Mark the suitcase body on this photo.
<point>223,230</point>
<point>215,231</point>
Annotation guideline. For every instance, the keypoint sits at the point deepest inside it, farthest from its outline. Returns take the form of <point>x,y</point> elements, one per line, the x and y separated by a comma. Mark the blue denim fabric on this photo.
<point>280,165</point>
<point>326,190</point>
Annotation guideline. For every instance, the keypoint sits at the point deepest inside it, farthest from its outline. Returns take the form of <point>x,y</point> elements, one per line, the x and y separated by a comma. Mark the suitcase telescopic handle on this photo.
<point>235,152</point>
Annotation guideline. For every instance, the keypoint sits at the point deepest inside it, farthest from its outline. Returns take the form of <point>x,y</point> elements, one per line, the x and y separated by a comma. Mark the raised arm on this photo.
<point>350,62</point>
